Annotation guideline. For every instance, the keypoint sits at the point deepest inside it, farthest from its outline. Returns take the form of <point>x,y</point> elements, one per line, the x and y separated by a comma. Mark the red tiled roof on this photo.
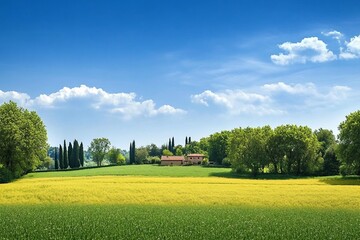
<point>196,155</point>
<point>172,158</point>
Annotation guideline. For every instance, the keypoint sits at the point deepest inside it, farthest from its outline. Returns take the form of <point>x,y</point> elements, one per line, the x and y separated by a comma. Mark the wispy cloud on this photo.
<point>125,104</point>
<point>274,98</point>
<point>309,94</point>
<point>334,34</point>
<point>308,50</point>
<point>236,101</point>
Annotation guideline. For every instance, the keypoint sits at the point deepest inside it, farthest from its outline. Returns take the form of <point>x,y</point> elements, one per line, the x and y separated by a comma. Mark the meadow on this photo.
<point>150,202</point>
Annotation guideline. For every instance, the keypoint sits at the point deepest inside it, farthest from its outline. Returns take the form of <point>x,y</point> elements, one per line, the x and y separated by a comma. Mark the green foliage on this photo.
<point>218,144</point>
<point>23,139</point>
<point>205,162</point>
<point>326,139</point>
<point>75,153</point>
<point>153,160</point>
<point>178,151</point>
<point>141,155</point>
<point>226,162</point>
<point>167,152</point>
<point>174,222</point>
<point>115,157</point>
<point>331,162</point>
<point>248,149</point>
<point>153,150</point>
<point>5,175</point>
<point>98,149</point>
<point>69,153</point>
<point>349,144</point>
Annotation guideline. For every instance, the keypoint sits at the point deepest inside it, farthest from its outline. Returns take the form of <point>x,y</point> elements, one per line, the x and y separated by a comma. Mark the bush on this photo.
<point>205,162</point>
<point>226,162</point>
<point>5,175</point>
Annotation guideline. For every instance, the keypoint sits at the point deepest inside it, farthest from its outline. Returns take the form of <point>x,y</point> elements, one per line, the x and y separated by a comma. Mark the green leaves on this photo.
<point>23,139</point>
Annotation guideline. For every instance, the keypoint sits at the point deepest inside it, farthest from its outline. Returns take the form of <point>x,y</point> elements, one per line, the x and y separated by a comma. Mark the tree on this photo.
<point>66,161</point>
<point>248,149</point>
<point>166,152</point>
<point>140,155</point>
<point>114,156</point>
<point>81,154</point>
<point>98,149</point>
<point>178,151</point>
<point>326,139</point>
<point>132,152</point>
<point>56,160</point>
<point>349,143</point>
<point>69,153</point>
<point>23,140</point>
<point>75,155</point>
<point>331,162</point>
<point>297,149</point>
<point>61,158</point>
<point>186,140</point>
<point>153,150</point>
<point>217,146</point>
<point>173,145</point>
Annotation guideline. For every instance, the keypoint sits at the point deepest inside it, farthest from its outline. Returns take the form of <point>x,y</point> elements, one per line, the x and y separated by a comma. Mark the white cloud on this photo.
<point>236,101</point>
<point>313,95</point>
<point>352,49</point>
<point>126,104</point>
<point>334,34</point>
<point>308,50</point>
<point>21,98</point>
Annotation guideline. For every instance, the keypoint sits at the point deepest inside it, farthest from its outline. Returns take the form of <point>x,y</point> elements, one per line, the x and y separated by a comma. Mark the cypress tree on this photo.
<point>66,160</point>
<point>81,154</point>
<point>130,153</point>
<point>189,140</point>
<point>75,155</point>
<point>61,159</point>
<point>186,141</point>
<point>70,149</point>
<point>133,151</point>
<point>56,160</point>
<point>170,145</point>
<point>173,145</point>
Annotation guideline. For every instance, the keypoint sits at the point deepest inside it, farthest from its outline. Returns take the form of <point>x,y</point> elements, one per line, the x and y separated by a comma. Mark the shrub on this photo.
<point>205,162</point>
<point>5,175</point>
<point>226,162</point>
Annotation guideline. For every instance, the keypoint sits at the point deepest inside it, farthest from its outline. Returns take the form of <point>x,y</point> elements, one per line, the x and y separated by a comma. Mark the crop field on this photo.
<point>145,206</point>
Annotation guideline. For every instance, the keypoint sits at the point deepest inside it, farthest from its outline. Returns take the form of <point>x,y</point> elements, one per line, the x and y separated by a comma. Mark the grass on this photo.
<point>166,222</point>
<point>137,170</point>
<point>152,202</point>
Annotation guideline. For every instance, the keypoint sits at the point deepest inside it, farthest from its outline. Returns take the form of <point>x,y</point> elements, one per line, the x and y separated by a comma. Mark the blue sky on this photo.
<point>150,70</point>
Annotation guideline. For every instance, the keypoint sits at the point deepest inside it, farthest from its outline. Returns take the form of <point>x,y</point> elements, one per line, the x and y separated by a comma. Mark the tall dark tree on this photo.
<point>66,160</point>
<point>81,154</point>
<point>61,158</point>
<point>56,159</point>
<point>70,149</point>
<point>170,145</point>
<point>186,141</point>
<point>130,153</point>
<point>75,155</point>
<point>189,140</point>
<point>133,151</point>
<point>173,145</point>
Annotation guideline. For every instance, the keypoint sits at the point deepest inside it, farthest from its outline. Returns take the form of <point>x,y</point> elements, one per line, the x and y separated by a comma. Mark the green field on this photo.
<point>140,170</point>
<point>153,202</point>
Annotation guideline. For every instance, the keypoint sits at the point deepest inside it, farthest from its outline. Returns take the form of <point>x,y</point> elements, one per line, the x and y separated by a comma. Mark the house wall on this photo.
<point>173,163</point>
<point>195,160</point>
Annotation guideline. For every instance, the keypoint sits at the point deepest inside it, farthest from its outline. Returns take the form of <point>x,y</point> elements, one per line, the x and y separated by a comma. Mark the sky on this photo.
<point>151,70</point>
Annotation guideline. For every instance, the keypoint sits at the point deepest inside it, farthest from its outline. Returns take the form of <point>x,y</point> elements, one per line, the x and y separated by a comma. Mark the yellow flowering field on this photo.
<point>191,191</point>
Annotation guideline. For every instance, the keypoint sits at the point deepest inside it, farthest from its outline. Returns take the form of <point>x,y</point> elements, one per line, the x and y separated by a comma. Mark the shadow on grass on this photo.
<point>348,180</point>
<point>264,176</point>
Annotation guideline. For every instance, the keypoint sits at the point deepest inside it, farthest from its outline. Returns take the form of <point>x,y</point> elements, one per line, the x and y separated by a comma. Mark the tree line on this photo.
<point>70,157</point>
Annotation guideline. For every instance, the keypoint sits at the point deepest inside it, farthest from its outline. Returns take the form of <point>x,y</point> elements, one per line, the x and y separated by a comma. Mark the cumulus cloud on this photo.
<point>236,101</point>
<point>308,50</point>
<point>352,49</point>
<point>125,104</point>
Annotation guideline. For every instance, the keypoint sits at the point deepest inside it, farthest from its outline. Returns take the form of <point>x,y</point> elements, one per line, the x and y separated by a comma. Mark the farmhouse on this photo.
<point>195,158</point>
<point>172,160</point>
